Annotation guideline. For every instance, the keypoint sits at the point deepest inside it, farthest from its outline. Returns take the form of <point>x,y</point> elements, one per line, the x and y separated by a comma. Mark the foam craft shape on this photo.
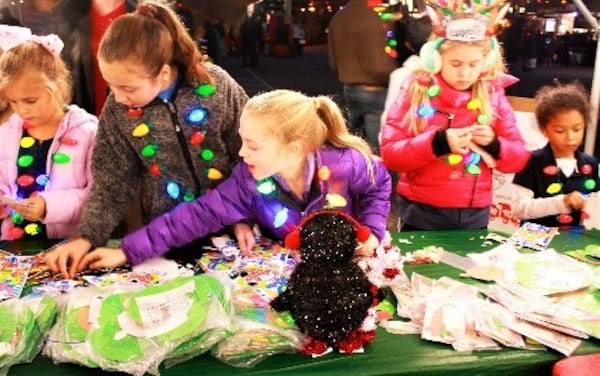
<point>109,339</point>
<point>24,326</point>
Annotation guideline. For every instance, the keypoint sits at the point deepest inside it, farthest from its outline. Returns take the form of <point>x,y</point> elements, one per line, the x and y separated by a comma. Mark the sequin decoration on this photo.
<point>195,117</point>
<point>328,295</point>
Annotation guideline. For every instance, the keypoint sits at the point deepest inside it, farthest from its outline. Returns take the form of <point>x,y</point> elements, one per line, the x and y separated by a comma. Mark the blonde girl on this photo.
<point>298,157</point>
<point>45,172</point>
<point>452,124</point>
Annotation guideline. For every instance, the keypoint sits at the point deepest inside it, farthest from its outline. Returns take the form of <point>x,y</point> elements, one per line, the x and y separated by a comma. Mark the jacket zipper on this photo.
<point>183,144</point>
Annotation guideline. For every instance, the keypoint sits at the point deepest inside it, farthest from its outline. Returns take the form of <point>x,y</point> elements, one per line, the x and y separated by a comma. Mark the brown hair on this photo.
<point>152,37</point>
<point>551,100</point>
<point>33,56</point>
<point>314,121</point>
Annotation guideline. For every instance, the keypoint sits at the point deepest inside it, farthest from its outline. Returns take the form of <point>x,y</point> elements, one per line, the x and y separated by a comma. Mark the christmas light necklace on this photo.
<point>268,187</point>
<point>25,180</point>
<point>589,184</point>
<point>151,150</point>
<point>471,160</point>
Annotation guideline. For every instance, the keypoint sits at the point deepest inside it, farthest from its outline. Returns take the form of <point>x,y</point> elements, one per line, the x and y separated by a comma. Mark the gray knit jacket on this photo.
<point>119,168</point>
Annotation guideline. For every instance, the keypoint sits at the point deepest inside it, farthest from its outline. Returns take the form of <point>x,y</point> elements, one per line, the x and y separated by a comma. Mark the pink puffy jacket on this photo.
<point>70,183</point>
<point>429,179</point>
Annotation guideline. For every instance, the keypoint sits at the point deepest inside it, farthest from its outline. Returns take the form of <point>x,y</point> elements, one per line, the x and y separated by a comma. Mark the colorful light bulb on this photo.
<point>25,160</point>
<point>27,142</point>
<point>60,158</point>
<point>207,154</point>
<point>281,217</point>
<point>140,130</point>
<point>196,116</point>
<point>205,89</point>
<point>173,190</point>
<point>266,186</point>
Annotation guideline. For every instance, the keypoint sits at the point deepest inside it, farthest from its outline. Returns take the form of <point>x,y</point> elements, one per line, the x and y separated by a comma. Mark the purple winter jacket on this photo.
<point>237,198</point>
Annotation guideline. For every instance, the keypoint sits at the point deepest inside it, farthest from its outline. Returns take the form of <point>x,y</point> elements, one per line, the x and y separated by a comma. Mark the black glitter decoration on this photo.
<point>328,294</point>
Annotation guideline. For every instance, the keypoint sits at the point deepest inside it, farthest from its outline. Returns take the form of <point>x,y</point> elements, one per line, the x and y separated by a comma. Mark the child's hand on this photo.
<point>367,248</point>
<point>483,134</point>
<point>245,237</point>
<point>65,258</point>
<point>575,201</point>
<point>4,210</point>
<point>32,209</point>
<point>459,139</point>
<point>103,257</point>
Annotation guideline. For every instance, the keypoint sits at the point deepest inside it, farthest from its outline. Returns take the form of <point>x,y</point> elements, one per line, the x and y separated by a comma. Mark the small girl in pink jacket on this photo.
<point>45,175</point>
<point>451,124</point>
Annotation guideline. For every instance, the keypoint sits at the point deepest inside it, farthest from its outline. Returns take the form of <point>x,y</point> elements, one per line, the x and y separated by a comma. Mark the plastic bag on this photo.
<point>135,331</point>
<point>25,323</point>
<point>254,342</point>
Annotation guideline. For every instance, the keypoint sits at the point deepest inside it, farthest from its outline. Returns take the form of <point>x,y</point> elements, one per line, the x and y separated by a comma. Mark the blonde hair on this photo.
<point>33,56</point>
<point>417,90</point>
<point>153,36</point>
<point>314,121</point>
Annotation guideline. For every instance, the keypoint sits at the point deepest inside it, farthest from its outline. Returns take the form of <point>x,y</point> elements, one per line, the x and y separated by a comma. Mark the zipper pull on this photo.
<point>173,113</point>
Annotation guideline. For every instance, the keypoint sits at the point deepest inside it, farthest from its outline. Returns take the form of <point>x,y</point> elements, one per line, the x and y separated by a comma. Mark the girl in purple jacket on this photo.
<point>298,158</point>
<point>45,175</point>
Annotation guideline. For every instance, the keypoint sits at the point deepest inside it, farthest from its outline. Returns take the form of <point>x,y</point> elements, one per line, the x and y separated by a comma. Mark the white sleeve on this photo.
<point>524,206</point>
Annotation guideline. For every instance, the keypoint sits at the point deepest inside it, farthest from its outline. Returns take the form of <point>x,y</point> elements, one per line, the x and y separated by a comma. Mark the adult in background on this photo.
<point>416,33</point>
<point>81,25</point>
<point>210,41</point>
<point>6,18</point>
<point>250,36</point>
<point>357,41</point>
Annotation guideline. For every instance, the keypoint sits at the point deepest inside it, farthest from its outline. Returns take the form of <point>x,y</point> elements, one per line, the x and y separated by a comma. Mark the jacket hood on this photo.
<point>504,80</point>
<point>456,97</point>
<point>77,117</point>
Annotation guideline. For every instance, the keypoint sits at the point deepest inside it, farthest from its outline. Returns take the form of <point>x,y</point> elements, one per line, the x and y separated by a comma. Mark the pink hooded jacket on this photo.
<point>69,184</point>
<point>426,178</point>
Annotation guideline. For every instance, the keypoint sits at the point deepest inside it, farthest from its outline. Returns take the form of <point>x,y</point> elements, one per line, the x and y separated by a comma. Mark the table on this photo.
<point>389,354</point>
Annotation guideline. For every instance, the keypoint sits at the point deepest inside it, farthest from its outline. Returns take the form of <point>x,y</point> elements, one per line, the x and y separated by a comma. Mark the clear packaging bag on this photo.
<point>25,323</point>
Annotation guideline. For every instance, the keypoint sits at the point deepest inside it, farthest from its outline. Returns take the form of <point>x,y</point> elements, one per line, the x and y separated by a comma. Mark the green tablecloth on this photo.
<point>389,354</point>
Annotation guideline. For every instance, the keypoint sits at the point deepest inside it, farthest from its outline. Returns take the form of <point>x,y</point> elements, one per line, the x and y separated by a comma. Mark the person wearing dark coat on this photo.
<point>81,24</point>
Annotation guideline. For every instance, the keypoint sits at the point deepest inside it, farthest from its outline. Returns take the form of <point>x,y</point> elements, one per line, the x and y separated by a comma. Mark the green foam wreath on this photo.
<point>110,340</point>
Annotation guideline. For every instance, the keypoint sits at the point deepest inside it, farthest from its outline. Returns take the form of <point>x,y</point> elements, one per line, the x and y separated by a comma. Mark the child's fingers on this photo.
<point>88,261</point>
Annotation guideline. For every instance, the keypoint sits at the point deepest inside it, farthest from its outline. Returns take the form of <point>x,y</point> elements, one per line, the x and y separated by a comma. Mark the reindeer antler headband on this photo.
<point>466,21</point>
<point>460,20</point>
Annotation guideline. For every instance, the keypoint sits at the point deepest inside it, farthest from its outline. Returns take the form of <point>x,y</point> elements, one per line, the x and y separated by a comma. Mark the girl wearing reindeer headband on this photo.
<point>451,124</point>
